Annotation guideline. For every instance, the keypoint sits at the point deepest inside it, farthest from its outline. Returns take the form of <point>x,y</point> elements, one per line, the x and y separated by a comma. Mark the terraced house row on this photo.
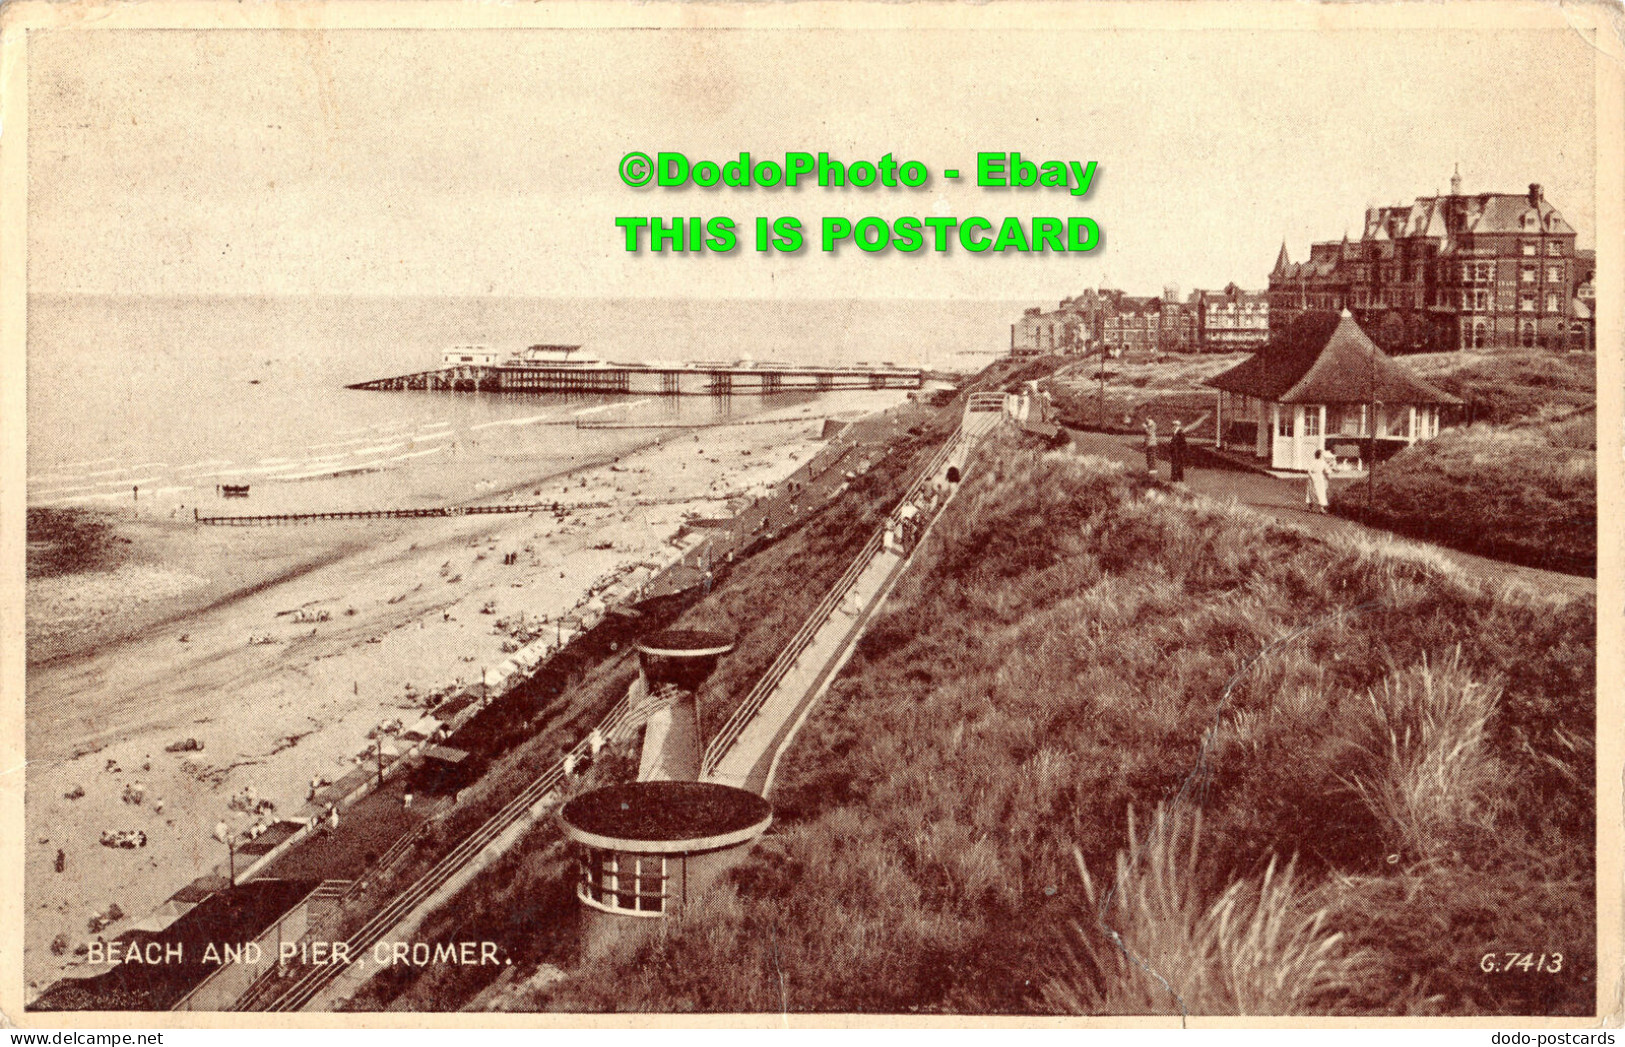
<point>1206,321</point>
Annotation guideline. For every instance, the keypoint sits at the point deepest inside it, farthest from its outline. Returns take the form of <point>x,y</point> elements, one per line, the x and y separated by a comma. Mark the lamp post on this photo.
<point>231,857</point>
<point>1371,466</point>
<point>379,749</point>
<point>1100,374</point>
<point>1371,436</point>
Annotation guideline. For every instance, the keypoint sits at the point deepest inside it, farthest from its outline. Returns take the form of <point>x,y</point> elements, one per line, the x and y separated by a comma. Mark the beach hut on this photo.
<point>1323,383</point>
<point>422,730</point>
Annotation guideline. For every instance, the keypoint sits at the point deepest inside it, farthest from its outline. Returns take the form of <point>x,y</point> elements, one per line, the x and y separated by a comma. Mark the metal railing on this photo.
<point>728,734</point>
<point>306,987</point>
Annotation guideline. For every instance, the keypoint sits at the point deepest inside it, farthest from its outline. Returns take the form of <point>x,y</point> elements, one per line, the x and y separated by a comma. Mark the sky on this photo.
<point>440,162</point>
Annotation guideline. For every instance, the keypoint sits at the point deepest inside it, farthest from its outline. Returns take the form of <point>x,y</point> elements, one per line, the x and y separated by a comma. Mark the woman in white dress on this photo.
<point>1315,494</point>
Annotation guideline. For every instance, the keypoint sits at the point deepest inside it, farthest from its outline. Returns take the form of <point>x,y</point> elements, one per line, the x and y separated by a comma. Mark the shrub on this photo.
<point>1509,387</point>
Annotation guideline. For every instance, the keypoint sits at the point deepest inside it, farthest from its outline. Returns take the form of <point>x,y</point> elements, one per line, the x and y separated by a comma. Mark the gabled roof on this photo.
<point>1231,294</point>
<point>1322,358</point>
<point>1504,213</point>
<point>1436,227</point>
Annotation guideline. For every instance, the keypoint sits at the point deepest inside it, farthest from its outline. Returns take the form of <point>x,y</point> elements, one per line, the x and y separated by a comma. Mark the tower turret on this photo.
<point>1282,262</point>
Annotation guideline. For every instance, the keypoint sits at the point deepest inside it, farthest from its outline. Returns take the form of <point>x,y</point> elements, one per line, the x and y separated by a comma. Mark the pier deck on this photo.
<point>651,379</point>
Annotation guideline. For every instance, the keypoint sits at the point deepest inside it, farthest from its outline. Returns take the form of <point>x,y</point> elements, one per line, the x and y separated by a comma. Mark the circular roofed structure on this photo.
<point>686,643</point>
<point>681,657</point>
<point>648,848</point>
<point>666,816</point>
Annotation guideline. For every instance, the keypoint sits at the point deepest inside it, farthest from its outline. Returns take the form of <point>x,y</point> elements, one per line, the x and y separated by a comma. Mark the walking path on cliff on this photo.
<point>1283,500</point>
<point>746,755</point>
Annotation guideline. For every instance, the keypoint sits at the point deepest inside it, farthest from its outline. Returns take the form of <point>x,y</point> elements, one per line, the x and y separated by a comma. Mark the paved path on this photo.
<point>749,760</point>
<point>1283,500</point>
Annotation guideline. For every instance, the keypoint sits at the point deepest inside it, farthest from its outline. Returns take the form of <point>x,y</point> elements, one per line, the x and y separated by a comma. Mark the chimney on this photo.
<point>1534,194</point>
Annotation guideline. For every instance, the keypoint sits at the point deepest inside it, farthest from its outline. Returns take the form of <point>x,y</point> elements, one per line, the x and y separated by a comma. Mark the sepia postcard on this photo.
<point>811,513</point>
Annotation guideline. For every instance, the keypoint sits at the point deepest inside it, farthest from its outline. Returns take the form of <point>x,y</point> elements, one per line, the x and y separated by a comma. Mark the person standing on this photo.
<point>1316,492</point>
<point>1176,454</point>
<point>1151,447</point>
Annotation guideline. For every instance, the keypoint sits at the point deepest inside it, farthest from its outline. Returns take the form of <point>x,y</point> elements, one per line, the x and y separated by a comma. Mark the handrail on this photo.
<point>735,725</point>
<point>387,861</point>
<point>317,978</point>
<point>732,728</point>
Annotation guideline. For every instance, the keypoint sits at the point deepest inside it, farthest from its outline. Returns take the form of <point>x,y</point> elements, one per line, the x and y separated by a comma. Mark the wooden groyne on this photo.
<point>647,379</point>
<point>439,512</point>
<point>802,420</point>
<point>265,519</point>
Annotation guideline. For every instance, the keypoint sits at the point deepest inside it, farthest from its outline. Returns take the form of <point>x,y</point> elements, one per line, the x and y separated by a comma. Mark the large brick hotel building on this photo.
<point>1488,270</point>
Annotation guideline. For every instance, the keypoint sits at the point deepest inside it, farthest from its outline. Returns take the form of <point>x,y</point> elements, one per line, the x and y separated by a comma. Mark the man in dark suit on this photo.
<point>1176,454</point>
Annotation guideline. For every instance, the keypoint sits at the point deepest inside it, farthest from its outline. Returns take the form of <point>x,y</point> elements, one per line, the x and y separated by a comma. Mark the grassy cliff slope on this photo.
<point>1115,750</point>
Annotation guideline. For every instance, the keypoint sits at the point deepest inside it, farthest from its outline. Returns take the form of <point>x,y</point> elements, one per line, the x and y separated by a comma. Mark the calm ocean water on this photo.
<point>175,395</point>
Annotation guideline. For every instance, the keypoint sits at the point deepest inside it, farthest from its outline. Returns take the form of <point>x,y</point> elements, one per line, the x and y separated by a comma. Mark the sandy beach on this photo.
<point>352,623</point>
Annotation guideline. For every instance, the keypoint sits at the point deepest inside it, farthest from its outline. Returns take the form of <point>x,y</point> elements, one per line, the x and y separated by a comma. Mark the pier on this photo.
<point>703,378</point>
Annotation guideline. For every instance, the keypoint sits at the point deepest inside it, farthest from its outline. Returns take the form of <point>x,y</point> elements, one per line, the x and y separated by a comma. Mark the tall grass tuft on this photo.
<point>1429,765</point>
<point>1155,945</point>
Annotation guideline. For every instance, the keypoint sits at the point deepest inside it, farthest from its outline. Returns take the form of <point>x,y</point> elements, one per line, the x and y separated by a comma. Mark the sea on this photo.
<point>155,403</point>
